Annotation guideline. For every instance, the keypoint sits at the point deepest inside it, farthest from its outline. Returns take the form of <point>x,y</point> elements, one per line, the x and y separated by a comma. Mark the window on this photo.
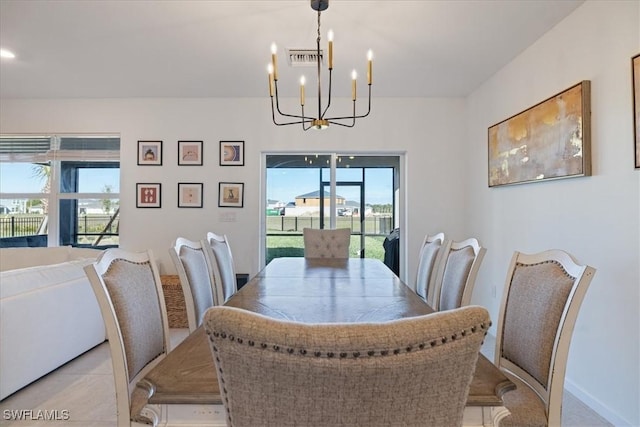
<point>59,190</point>
<point>299,193</point>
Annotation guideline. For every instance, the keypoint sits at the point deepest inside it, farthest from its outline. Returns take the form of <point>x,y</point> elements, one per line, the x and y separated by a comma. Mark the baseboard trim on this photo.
<point>597,406</point>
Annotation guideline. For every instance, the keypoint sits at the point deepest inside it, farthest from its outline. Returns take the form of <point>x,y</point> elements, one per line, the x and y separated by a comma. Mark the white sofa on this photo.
<point>48,312</point>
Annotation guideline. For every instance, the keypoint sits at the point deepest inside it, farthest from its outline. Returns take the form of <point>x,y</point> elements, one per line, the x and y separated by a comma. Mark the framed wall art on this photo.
<point>148,195</point>
<point>231,195</point>
<point>550,140</point>
<point>190,153</point>
<point>150,153</point>
<point>635,72</point>
<point>231,153</point>
<point>189,195</point>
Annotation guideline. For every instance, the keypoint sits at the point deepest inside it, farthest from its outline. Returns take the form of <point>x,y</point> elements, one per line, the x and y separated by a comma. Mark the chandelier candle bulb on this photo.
<point>302,82</point>
<point>354,76</point>
<point>369,67</point>
<point>270,72</point>
<point>274,60</point>
<point>330,38</point>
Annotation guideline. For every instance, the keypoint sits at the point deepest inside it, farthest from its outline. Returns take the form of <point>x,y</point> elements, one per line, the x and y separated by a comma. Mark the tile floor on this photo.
<point>84,388</point>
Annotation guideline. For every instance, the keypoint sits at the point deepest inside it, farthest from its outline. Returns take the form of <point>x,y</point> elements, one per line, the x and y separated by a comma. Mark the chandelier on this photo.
<point>321,121</point>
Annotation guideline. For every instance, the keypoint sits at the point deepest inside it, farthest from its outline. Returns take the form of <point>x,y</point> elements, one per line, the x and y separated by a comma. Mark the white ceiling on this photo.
<point>115,48</point>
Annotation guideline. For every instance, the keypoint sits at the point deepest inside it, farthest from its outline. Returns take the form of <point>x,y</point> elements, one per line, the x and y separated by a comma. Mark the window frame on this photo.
<point>56,156</point>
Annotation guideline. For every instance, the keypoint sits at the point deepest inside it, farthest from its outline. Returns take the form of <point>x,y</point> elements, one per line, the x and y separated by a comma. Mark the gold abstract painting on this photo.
<point>635,68</point>
<point>547,141</point>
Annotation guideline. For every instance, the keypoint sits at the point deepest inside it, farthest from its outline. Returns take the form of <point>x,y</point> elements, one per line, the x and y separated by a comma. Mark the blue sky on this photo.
<point>285,184</point>
<point>21,178</point>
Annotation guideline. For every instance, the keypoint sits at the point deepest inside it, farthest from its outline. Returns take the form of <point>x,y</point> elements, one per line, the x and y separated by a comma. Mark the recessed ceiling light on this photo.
<point>4,53</point>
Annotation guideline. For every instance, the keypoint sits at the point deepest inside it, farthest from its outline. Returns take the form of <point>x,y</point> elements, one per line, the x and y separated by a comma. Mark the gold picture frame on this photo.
<point>550,140</point>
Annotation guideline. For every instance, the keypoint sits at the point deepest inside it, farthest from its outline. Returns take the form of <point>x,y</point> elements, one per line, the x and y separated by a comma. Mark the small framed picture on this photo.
<point>149,153</point>
<point>148,195</point>
<point>231,195</point>
<point>189,195</point>
<point>190,153</point>
<point>231,153</point>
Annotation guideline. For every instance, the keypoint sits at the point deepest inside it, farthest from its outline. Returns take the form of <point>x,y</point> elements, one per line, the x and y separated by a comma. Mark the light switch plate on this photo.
<point>228,217</point>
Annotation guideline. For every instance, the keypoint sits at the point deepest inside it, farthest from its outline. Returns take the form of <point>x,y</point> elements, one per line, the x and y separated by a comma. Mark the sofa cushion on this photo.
<point>24,280</point>
<point>15,258</point>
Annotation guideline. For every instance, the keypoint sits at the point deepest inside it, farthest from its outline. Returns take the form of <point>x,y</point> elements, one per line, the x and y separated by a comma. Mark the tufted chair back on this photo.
<point>196,277</point>
<point>326,243</point>
<point>542,296</point>
<point>457,274</point>
<point>128,289</point>
<point>411,372</point>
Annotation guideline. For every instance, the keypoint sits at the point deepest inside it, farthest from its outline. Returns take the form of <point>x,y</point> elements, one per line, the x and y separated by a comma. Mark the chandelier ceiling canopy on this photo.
<point>321,120</point>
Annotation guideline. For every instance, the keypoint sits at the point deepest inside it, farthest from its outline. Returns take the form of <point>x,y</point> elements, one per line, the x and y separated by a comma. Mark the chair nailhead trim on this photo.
<point>107,271</point>
<point>549,261</point>
<point>481,328</point>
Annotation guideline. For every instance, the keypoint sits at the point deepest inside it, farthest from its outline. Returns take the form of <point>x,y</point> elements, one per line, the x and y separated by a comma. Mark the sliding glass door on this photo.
<point>332,190</point>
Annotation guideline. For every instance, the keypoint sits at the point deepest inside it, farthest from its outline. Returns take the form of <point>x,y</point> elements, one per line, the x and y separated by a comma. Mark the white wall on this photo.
<point>595,218</point>
<point>428,130</point>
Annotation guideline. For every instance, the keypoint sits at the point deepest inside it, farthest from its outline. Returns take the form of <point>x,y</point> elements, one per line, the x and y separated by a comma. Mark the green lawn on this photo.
<point>292,246</point>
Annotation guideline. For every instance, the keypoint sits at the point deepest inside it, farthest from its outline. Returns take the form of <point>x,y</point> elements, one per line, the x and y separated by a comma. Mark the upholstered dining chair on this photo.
<point>412,372</point>
<point>129,292</point>
<point>542,296</point>
<point>457,273</point>
<point>224,272</point>
<point>326,243</point>
<point>433,246</point>
<point>194,266</point>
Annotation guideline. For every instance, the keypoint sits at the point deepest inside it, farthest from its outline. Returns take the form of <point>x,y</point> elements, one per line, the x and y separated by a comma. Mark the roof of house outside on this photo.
<point>316,195</point>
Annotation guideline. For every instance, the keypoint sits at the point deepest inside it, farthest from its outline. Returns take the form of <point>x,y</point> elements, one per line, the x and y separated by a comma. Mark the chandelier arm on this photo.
<point>303,121</point>
<point>302,118</point>
<point>343,124</point>
<point>353,118</point>
<point>275,84</point>
<point>329,96</point>
<point>273,117</point>
<point>331,119</point>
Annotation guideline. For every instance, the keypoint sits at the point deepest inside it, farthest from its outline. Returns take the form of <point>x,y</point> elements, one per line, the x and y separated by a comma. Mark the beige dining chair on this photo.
<point>224,272</point>
<point>433,246</point>
<point>129,292</point>
<point>542,296</point>
<point>413,372</point>
<point>326,243</point>
<point>457,273</point>
<point>195,270</point>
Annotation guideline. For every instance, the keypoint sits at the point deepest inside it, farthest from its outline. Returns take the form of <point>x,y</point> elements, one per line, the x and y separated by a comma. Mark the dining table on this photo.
<point>183,388</point>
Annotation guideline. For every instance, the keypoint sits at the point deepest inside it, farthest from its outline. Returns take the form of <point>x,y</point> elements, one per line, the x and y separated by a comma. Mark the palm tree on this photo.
<point>106,203</point>
<point>43,172</point>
